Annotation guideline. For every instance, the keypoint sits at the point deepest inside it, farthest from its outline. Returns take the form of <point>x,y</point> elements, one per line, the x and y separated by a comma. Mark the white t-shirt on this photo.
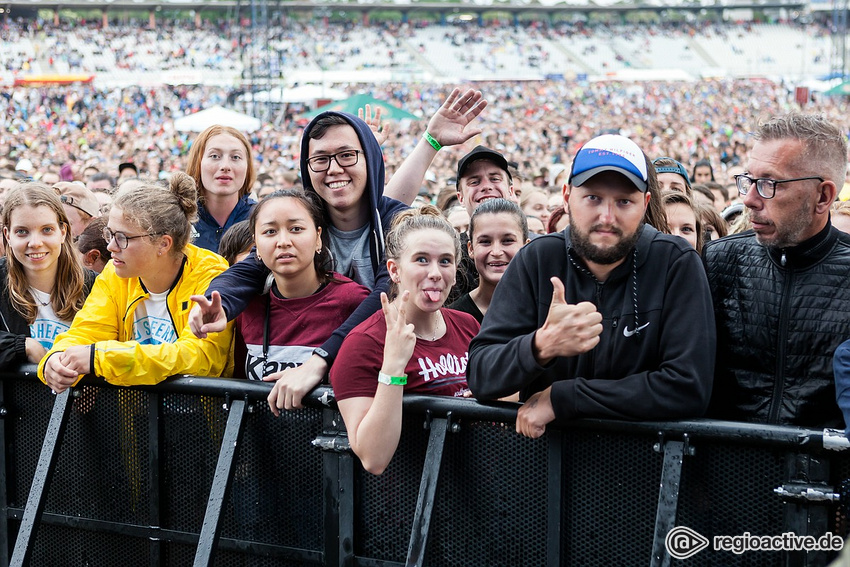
<point>152,324</point>
<point>47,325</point>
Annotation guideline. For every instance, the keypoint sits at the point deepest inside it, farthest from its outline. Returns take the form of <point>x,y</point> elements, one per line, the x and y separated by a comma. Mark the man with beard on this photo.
<point>609,318</point>
<point>780,291</point>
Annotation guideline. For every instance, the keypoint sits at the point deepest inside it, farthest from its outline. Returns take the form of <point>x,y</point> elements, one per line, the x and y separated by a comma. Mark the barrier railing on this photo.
<point>198,471</point>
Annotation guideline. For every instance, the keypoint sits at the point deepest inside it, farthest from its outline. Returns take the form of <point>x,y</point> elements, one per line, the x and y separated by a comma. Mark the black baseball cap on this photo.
<point>480,152</point>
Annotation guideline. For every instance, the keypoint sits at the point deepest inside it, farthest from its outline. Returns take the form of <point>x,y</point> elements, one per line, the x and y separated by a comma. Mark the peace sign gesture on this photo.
<point>379,128</point>
<point>400,340</point>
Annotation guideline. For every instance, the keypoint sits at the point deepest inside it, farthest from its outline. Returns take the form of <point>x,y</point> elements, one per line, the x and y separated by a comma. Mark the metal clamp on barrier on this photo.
<point>336,443</point>
<point>806,493</point>
<point>452,423</point>
<point>835,440</point>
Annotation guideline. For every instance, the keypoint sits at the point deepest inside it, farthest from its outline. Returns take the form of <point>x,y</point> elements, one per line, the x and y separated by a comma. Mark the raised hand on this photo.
<point>449,125</point>
<point>207,316</point>
<point>379,129</point>
<point>401,340</point>
<point>569,330</point>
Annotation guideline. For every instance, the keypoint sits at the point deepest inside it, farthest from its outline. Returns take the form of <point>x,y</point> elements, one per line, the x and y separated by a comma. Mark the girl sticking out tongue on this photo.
<point>412,345</point>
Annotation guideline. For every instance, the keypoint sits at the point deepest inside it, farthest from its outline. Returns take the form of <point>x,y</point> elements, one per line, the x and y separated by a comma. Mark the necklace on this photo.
<point>35,295</point>
<point>438,315</point>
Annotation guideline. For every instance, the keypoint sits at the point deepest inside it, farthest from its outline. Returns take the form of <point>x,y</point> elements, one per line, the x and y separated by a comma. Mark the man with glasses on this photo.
<point>780,291</point>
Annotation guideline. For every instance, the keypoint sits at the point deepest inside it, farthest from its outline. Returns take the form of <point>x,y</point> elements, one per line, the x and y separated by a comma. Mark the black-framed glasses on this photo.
<point>121,239</point>
<point>345,158</point>
<point>765,186</point>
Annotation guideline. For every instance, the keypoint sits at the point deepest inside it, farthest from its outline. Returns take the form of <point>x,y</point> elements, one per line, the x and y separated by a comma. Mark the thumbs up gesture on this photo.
<point>569,330</point>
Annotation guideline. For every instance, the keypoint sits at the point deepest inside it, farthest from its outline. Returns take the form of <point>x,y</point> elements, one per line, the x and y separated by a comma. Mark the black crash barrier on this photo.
<point>197,471</point>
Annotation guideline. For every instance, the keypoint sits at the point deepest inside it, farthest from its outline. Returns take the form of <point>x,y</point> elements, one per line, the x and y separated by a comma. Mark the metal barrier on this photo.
<point>198,471</point>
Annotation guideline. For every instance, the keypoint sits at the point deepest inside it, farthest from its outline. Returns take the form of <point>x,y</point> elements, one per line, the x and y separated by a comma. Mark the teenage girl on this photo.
<point>43,282</point>
<point>133,328</point>
<point>412,345</point>
<point>305,304</point>
<point>497,230</point>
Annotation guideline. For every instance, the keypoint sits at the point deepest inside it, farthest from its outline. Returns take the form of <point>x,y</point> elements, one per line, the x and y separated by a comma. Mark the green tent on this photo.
<point>842,89</point>
<point>353,103</point>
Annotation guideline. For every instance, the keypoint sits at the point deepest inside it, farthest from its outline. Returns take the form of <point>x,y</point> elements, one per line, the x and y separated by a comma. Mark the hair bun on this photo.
<point>184,188</point>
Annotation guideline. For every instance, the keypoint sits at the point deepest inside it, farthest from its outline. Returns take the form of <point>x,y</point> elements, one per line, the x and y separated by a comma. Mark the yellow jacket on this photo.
<point>106,320</point>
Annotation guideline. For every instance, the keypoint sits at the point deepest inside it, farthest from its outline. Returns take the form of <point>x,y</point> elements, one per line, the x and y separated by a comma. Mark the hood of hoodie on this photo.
<point>371,153</point>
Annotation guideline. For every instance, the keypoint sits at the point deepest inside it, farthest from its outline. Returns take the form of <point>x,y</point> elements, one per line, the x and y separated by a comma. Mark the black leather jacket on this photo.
<point>780,315</point>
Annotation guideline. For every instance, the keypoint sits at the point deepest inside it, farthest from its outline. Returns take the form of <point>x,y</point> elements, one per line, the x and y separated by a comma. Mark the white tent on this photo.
<point>200,121</point>
<point>303,93</point>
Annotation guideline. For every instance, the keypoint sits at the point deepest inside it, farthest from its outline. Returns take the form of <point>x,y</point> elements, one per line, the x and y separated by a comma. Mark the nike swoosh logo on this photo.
<point>628,333</point>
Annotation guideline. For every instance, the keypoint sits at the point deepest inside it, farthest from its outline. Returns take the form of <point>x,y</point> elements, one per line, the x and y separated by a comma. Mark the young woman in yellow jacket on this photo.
<point>133,328</point>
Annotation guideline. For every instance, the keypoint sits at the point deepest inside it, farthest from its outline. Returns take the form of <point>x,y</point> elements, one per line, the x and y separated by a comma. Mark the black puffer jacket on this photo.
<point>780,315</point>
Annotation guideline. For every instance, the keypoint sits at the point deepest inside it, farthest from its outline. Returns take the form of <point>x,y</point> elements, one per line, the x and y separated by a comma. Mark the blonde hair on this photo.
<point>68,293</point>
<point>159,211</point>
<point>407,222</point>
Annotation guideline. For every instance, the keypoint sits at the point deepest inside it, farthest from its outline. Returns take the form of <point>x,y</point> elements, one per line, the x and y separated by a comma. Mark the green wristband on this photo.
<point>392,380</point>
<point>432,140</point>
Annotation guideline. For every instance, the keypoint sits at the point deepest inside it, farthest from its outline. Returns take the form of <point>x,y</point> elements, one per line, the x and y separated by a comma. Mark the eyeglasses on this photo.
<point>346,158</point>
<point>121,239</point>
<point>766,187</point>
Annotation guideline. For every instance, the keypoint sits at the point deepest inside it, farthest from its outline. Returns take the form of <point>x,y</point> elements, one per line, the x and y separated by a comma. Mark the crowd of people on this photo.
<point>533,45</point>
<point>627,302</point>
<point>537,125</point>
<point>589,250</point>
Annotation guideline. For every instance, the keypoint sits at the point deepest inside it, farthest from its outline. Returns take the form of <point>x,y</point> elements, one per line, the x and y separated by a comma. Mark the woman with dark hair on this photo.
<point>280,329</point>
<point>702,172</point>
<point>497,230</point>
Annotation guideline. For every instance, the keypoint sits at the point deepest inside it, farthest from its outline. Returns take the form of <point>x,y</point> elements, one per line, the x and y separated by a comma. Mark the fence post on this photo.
<point>555,439</point>
<point>427,489</point>
<point>338,490</point>
<point>211,528</point>
<point>806,514</point>
<point>155,470</point>
<point>41,480</point>
<point>668,496</point>
<point>4,495</point>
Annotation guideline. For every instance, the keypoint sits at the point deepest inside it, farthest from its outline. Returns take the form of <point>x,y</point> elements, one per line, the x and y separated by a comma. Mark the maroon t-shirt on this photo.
<point>436,368</point>
<point>296,326</point>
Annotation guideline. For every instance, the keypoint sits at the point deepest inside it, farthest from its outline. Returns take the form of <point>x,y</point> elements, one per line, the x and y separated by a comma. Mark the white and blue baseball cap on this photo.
<point>610,152</point>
